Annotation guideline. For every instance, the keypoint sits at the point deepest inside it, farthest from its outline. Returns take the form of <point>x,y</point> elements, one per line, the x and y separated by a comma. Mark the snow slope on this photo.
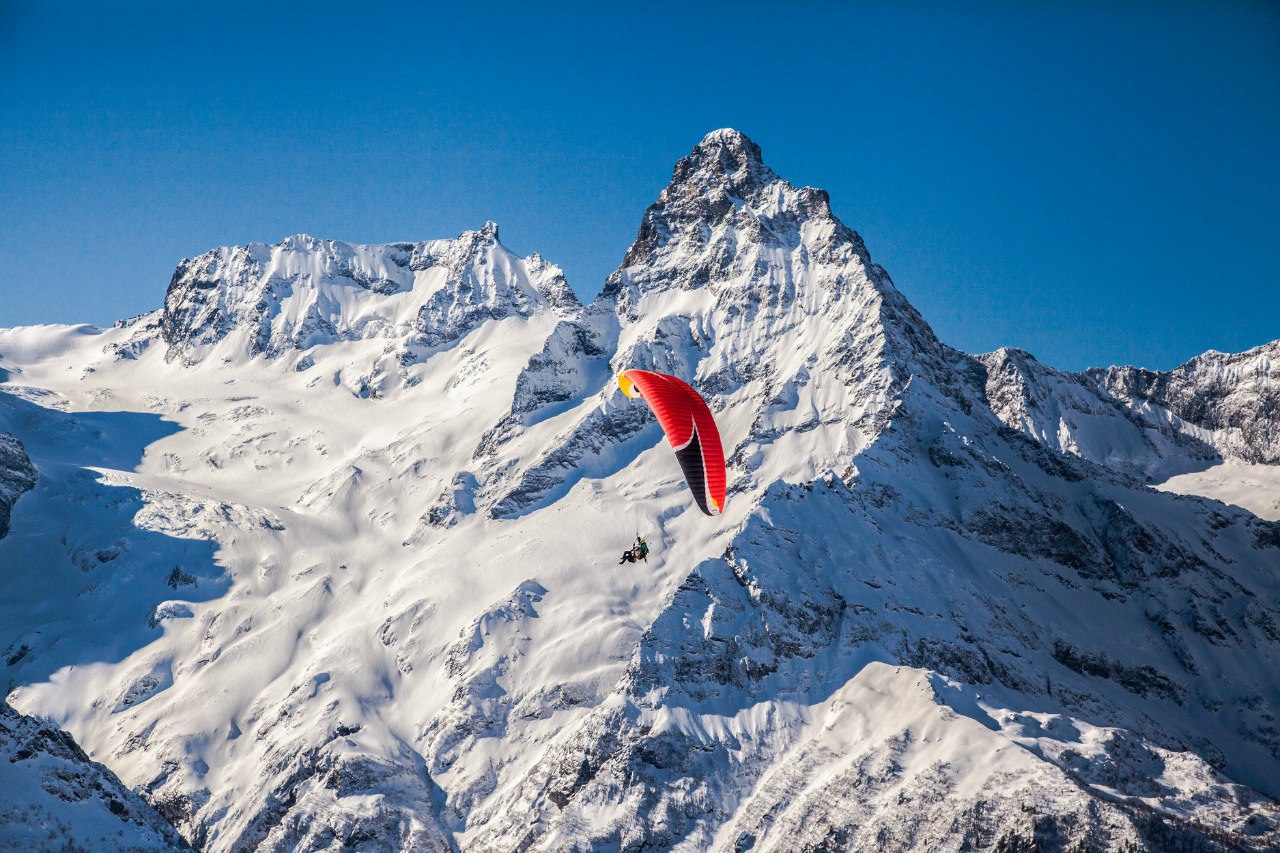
<point>54,796</point>
<point>324,553</point>
<point>1254,487</point>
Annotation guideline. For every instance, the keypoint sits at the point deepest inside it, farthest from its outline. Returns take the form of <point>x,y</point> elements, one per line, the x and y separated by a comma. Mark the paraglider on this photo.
<point>690,429</point>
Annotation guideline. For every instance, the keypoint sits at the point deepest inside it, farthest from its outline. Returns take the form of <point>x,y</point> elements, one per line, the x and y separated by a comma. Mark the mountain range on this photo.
<point>323,555</point>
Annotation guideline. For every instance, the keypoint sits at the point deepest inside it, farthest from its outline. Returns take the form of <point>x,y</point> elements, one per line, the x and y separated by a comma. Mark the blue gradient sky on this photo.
<point>1095,182</point>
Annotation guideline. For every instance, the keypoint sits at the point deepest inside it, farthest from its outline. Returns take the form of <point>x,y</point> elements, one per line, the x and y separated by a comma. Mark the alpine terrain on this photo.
<point>323,555</point>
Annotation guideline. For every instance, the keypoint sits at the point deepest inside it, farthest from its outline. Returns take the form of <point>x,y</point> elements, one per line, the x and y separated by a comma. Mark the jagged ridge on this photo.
<point>897,635</point>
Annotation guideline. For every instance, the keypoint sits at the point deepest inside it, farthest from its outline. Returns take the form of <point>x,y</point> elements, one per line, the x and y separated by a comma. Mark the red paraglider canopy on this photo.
<point>692,431</point>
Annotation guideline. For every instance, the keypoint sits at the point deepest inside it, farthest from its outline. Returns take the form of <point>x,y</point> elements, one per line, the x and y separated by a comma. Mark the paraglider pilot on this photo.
<point>639,551</point>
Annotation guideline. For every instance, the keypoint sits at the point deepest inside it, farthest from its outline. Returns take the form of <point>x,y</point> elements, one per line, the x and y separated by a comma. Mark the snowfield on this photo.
<point>323,555</point>
<point>1254,487</point>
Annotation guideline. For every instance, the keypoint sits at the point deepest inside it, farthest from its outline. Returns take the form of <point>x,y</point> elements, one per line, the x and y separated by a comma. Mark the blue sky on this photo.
<point>1096,182</point>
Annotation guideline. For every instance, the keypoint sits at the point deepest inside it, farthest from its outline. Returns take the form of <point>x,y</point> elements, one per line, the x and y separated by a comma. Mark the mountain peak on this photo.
<point>730,144</point>
<point>304,292</point>
<point>725,159</point>
<point>721,171</point>
<point>301,242</point>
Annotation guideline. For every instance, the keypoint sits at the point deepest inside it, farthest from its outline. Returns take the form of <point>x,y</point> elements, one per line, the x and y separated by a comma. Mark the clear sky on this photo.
<point>1096,182</point>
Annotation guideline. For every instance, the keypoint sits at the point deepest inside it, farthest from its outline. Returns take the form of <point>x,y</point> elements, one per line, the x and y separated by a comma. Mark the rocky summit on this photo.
<point>322,555</point>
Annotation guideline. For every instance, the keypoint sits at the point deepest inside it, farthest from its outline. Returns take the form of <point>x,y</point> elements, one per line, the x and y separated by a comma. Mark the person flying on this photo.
<point>638,551</point>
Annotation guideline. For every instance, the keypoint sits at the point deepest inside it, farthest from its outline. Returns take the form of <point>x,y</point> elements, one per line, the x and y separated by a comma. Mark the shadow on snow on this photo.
<point>82,581</point>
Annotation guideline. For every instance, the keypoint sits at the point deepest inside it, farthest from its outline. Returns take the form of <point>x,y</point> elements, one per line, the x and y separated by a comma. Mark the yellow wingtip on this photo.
<point>628,387</point>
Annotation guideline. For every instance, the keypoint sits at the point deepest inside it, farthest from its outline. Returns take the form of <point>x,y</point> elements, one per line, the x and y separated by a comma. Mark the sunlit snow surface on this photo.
<point>324,569</point>
<point>1254,487</point>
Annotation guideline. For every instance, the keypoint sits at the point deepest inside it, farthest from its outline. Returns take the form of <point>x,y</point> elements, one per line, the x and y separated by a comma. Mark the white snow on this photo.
<point>1254,487</point>
<point>334,576</point>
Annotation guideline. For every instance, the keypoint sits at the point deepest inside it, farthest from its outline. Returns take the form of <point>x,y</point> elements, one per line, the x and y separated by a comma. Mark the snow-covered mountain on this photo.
<point>1231,402</point>
<point>324,553</point>
<point>1210,427</point>
<point>55,797</point>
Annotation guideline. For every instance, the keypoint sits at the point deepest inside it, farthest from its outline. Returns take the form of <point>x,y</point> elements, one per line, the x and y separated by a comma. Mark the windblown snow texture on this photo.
<point>322,555</point>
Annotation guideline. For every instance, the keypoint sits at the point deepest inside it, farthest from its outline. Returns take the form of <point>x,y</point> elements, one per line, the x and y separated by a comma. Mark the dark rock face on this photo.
<point>286,824</point>
<point>57,798</point>
<point>17,475</point>
<point>1142,680</point>
<point>723,199</point>
<point>1238,394</point>
<point>724,166</point>
<point>191,313</point>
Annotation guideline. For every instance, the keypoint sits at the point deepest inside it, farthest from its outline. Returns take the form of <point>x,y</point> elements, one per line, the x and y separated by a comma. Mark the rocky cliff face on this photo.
<point>56,798</point>
<point>17,475</point>
<point>1228,400</point>
<point>942,611</point>
<point>1147,423</point>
